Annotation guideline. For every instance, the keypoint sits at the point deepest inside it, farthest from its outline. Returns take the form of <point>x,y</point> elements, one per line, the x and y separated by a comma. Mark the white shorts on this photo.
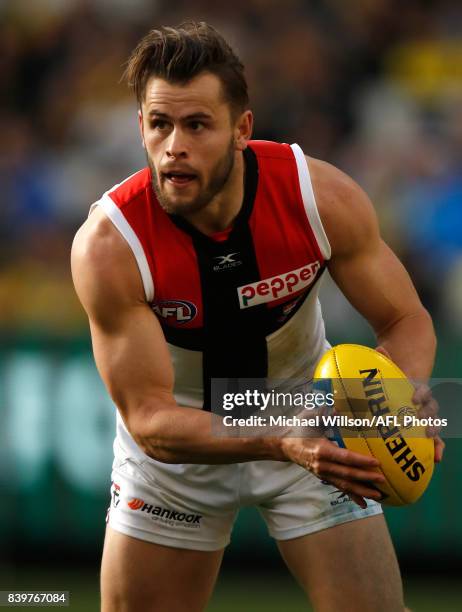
<point>195,506</point>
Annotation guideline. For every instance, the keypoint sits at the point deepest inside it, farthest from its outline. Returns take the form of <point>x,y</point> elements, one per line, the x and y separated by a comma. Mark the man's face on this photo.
<point>190,141</point>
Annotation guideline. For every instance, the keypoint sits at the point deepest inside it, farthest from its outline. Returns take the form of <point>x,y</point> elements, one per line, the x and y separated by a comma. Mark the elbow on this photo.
<point>151,446</point>
<point>422,328</point>
<point>145,425</point>
<point>422,325</point>
<point>428,322</point>
<point>417,324</point>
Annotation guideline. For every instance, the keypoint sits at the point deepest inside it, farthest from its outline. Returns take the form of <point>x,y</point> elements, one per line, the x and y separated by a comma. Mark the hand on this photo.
<point>350,472</point>
<point>428,408</point>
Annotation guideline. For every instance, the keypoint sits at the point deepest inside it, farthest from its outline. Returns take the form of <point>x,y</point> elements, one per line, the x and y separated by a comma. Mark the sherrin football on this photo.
<point>372,398</point>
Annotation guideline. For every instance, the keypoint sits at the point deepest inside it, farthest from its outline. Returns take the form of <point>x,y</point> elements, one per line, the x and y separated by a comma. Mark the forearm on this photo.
<point>411,343</point>
<point>176,434</point>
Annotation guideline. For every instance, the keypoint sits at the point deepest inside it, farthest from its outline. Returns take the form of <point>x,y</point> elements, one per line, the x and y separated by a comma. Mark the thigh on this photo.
<point>139,575</point>
<point>350,567</point>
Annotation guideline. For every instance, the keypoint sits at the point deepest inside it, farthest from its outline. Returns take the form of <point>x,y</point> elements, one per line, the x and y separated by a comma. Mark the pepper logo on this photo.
<point>135,503</point>
<point>179,311</point>
<point>276,287</point>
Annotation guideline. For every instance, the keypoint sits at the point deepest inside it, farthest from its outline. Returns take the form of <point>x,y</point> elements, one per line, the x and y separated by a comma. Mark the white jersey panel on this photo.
<point>295,349</point>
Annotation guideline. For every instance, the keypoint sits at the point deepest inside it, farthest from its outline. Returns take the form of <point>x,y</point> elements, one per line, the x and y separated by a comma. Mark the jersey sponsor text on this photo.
<point>276,287</point>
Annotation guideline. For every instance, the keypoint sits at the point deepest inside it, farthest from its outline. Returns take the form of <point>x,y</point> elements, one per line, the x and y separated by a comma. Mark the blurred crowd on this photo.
<point>374,87</point>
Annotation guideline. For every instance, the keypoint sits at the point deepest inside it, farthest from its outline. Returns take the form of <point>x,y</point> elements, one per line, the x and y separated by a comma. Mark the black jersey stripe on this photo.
<point>234,339</point>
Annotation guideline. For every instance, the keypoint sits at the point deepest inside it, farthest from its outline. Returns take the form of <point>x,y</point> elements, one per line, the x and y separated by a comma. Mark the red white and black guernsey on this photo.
<point>242,303</point>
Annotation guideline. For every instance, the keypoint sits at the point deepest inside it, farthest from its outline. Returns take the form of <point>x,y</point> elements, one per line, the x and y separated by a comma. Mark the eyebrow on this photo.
<point>200,115</point>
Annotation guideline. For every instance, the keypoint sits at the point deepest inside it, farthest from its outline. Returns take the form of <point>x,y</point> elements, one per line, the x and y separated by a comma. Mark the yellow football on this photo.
<point>374,415</point>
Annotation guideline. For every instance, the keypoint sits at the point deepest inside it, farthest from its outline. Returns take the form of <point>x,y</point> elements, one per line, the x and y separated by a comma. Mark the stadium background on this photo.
<point>374,87</point>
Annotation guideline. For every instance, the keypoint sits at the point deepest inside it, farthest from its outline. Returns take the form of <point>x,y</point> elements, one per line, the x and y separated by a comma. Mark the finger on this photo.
<point>349,473</point>
<point>359,489</point>
<point>429,408</point>
<point>433,431</point>
<point>422,394</point>
<point>342,455</point>
<point>383,350</point>
<point>439,449</point>
<point>358,500</point>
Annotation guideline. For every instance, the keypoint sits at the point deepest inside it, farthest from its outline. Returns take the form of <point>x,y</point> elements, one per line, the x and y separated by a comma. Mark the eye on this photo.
<point>159,124</point>
<point>197,126</point>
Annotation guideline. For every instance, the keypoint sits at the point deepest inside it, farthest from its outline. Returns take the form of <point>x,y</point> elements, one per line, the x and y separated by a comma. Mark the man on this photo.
<point>213,214</point>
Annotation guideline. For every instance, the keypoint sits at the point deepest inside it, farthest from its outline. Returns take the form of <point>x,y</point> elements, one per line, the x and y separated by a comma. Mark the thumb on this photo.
<point>383,350</point>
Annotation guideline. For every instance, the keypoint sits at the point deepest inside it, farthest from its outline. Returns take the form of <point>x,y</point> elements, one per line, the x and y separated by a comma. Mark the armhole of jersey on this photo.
<point>123,226</point>
<point>309,201</point>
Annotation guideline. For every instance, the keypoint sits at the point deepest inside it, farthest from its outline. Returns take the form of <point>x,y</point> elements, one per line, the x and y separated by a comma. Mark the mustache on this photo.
<point>182,168</point>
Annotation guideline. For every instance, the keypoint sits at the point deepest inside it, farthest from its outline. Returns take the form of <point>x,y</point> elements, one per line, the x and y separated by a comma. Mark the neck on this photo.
<point>221,211</point>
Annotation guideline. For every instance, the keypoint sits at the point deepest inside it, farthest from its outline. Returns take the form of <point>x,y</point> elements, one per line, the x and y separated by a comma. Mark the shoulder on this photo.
<point>132,188</point>
<point>103,266</point>
<point>98,240</point>
<point>346,211</point>
<point>267,149</point>
<point>97,244</point>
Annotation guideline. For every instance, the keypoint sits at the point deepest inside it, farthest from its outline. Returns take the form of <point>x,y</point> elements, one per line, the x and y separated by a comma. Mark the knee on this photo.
<point>127,602</point>
<point>118,596</point>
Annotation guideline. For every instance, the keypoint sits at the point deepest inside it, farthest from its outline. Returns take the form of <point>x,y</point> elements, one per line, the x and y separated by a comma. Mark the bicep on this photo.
<point>133,359</point>
<point>129,346</point>
<point>365,269</point>
<point>376,283</point>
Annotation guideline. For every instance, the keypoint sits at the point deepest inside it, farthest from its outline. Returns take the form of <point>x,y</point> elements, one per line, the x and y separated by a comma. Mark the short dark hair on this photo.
<point>178,54</point>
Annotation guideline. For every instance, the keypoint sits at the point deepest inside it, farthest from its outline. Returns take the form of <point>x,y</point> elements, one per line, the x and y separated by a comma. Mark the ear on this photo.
<point>243,130</point>
<point>141,126</point>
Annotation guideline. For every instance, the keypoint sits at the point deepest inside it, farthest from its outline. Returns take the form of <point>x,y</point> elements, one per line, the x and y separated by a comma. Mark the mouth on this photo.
<point>178,179</point>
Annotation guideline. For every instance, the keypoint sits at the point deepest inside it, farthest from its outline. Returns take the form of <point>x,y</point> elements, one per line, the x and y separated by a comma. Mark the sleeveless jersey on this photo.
<point>244,302</point>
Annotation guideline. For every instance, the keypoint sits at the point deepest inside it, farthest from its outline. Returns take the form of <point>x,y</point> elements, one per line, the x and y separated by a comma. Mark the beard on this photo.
<point>219,176</point>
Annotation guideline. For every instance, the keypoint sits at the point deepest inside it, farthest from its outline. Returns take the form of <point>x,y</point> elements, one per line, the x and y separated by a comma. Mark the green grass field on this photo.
<point>274,592</point>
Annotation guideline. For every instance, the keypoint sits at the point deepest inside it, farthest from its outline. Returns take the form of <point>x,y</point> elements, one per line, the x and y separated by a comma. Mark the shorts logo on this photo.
<point>179,311</point>
<point>135,504</point>
<point>276,287</point>
<point>166,515</point>
<point>115,494</point>
<point>341,498</point>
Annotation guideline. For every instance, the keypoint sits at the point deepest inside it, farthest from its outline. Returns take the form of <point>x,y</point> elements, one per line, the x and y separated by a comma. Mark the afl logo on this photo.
<point>179,311</point>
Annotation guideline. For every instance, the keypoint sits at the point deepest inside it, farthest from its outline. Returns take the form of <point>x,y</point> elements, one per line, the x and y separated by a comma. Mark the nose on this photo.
<point>176,145</point>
